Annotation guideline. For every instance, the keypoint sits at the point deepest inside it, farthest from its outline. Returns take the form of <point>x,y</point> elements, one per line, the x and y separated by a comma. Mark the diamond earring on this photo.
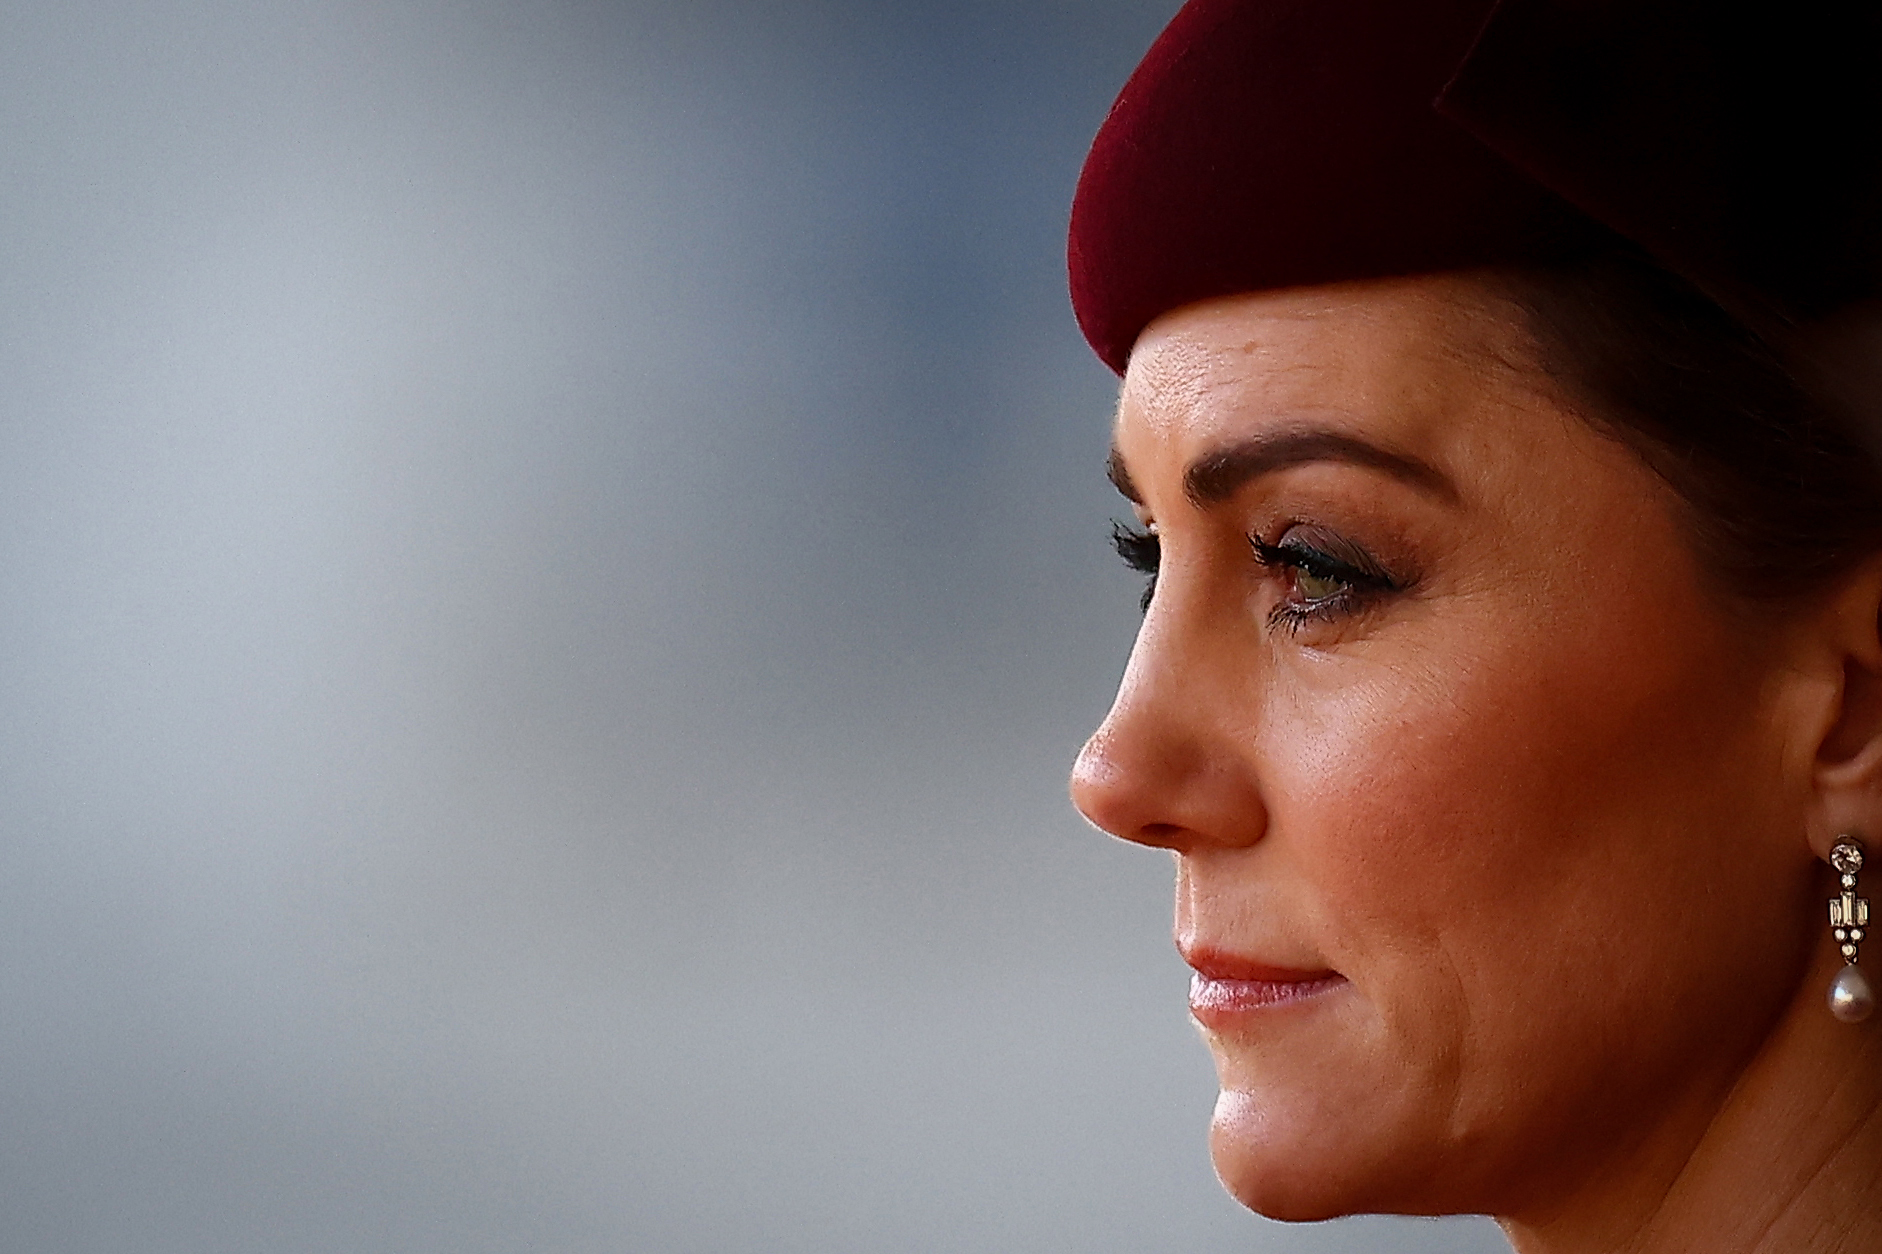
<point>1851,998</point>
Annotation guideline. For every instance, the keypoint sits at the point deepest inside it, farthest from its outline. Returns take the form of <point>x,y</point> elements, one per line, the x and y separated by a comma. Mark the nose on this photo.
<point>1174,764</point>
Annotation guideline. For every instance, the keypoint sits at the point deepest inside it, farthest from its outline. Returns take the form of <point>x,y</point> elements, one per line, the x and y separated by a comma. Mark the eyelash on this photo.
<point>1143,551</point>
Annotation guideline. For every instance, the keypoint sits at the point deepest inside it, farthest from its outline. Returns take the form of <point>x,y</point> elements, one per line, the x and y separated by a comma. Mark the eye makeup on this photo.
<point>1142,552</point>
<point>1325,576</point>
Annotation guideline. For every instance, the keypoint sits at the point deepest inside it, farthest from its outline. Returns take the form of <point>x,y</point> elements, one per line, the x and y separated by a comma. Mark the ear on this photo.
<point>1847,772</point>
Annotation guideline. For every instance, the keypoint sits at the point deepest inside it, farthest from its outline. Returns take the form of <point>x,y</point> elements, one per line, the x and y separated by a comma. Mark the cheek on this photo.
<point>1499,847</point>
<point>1447,793</point>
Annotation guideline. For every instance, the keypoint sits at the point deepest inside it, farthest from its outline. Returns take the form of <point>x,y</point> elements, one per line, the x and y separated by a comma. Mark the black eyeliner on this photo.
<point>1302,556</point>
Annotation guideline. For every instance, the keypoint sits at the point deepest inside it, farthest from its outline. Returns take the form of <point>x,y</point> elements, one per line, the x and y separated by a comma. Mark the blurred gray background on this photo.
<point>552,564</point>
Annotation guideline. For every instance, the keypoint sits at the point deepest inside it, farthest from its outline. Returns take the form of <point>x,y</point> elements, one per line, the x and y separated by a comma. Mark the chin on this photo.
<point>1290,1158</point>
<point>1268,1163</point>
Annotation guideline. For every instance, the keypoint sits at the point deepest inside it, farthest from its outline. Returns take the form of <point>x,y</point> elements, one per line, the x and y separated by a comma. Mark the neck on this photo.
<point>1789,1161</point>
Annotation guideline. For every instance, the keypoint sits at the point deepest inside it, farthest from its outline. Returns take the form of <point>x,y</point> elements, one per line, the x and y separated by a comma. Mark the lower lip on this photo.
<point>1218,1004</point>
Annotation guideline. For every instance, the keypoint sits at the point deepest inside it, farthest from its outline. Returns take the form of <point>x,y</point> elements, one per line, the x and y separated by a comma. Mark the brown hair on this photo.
<point>1783,498</point>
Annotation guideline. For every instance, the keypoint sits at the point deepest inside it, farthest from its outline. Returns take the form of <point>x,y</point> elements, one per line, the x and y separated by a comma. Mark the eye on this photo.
<point>1326,576</point>
<point>1141,551</point>
<point>1314,586</point>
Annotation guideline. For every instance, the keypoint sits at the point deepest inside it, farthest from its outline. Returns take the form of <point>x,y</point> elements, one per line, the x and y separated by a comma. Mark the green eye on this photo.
<point>1317,587</point>
<point>1321,586</point>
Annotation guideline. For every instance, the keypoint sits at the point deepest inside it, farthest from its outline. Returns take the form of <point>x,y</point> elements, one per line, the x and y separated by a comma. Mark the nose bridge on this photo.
<point>1174,763</point>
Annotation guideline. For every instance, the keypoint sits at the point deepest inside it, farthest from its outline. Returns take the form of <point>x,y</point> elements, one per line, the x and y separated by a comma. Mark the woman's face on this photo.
<point>1486,823</point>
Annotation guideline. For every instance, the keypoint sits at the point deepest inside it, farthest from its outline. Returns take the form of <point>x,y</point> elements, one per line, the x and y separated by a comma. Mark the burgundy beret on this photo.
<point>1273,143</point>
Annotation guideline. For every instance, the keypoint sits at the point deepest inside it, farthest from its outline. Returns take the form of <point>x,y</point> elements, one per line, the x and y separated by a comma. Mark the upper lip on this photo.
<point>1219,964</point>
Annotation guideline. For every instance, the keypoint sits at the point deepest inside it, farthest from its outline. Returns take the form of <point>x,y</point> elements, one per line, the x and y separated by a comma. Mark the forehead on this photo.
<point>1423,364</point>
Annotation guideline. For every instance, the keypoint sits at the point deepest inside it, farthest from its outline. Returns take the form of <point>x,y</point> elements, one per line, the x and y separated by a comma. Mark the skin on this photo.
<point>1551,806</point>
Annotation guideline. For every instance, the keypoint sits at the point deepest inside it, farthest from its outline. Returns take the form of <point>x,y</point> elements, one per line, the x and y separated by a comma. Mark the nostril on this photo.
<point>1124,781</point>
<point>1163,835</point>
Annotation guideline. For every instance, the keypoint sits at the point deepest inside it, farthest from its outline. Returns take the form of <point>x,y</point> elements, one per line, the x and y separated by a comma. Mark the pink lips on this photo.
<point>1225,990</point>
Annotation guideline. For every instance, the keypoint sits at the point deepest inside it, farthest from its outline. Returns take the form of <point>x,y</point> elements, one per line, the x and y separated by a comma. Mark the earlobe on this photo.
<point>1847,776</point>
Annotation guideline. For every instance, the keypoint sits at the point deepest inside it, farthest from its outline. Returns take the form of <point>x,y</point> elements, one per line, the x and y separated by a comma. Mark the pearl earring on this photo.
<point>1851,998</point>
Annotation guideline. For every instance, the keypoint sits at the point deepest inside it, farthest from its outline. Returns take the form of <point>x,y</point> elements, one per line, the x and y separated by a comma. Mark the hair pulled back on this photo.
<point>1783,499</point>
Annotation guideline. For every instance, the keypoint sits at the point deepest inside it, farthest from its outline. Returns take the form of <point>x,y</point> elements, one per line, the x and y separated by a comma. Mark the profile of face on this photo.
<point>1487,805</point>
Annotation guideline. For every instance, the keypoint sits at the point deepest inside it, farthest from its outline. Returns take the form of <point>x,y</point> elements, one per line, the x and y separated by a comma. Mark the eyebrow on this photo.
<point>1120,476</point>
<point>1219,474</point>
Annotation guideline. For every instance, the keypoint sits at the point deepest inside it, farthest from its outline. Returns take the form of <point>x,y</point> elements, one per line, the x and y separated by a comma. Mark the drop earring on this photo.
<point>1851,998</point>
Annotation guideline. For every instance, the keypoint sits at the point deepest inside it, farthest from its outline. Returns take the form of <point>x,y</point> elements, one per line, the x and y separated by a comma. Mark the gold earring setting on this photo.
<point>1851,998</point>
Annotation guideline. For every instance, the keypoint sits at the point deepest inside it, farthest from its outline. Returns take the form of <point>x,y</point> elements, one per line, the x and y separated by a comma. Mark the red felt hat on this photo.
<point>1274,143</point>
